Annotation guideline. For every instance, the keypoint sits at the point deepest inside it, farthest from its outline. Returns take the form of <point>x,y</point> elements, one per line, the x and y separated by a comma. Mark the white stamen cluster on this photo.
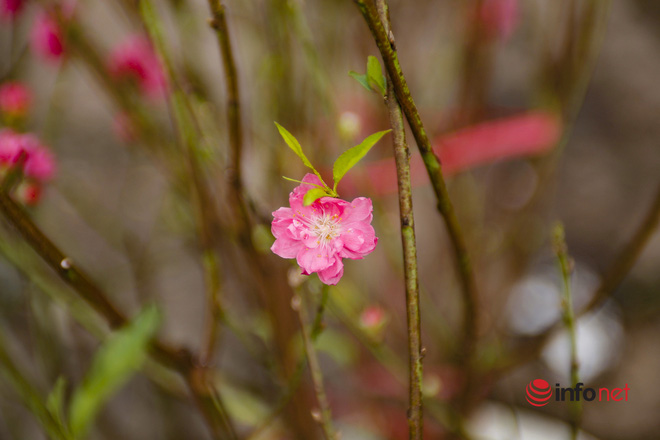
<point>325,227</point>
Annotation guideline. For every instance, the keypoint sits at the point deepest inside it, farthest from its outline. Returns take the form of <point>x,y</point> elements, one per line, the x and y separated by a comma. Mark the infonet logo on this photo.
<point>539,393</point>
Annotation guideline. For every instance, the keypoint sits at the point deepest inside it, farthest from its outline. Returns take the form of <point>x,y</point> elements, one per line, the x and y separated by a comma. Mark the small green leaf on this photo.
<point>293,143</point>
<point>313,195</point>
<point>353,155</point>
<point>114,363</point>
<point>55,401</point>
<point>375,75</point>
<point>361,78</point>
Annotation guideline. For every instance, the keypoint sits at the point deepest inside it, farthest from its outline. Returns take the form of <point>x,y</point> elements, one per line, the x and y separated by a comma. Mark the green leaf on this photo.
<point>55,401</point>
<point>293,143</point>
<point>350,157</point>
<point>361,78</point>
<point>114,363</point>
<point>313,195</point>
<point>375,75</point>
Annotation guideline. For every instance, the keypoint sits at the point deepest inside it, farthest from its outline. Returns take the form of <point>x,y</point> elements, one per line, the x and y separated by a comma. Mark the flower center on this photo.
<point>325,227</point>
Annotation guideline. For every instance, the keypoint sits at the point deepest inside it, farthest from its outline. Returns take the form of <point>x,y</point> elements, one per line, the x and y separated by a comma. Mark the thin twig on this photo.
<point>385,41</point>
<point>324,414</point>
<point>219,23</point>
<point>613,277</point>
<point>30,395</point>
<point>296,377</point>
<point>402,159</point>
<point>568,316</point>
<point>210,403</point>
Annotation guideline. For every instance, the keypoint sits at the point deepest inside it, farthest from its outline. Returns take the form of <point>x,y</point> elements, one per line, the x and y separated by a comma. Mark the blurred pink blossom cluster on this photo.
<point>15,100</point>
<point>135,61</point>
<point>34,160</point>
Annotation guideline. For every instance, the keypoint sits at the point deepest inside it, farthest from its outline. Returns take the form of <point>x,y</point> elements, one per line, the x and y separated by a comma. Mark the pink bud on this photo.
<point>46,37</point>
<point>9,9</point>
<point>372,317</point>
<point>29,193</point>
<point>135,60</point>
<point>15,99</point>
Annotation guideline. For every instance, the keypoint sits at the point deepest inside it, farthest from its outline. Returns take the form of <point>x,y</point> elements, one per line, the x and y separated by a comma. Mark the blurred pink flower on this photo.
<point>15,99</point>
<point>10,8</point>
<point>38,164</point>
<point>10,148</point>
<point>135,60</point>
<point>499,17</point>
<point>46,37</point>
<point>372,317</point>
<point>521,135</point>
<point>320,235</point>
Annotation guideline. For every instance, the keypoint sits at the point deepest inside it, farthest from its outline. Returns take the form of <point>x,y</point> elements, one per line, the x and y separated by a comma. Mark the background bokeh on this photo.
<point>119,207</point>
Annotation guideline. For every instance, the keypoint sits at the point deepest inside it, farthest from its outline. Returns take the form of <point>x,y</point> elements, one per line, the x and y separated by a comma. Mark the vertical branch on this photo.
<point>324,416</point>
<point>402,159</point>
<point>385,41</point>
<point>219,23</point>
<point>613,277</point>
<point>566,268</point>
<point>274,289</point>
<point>207,395</point>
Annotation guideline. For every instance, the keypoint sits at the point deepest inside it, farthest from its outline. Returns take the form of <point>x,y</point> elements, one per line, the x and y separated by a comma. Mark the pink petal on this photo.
<point>314,260</point>
<point>332,274</point>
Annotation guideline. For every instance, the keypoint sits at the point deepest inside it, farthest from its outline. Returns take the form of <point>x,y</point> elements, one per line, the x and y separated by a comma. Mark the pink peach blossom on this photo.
<point>46,38</point>
<point>15,99</point>
<point>319,236</point>
<point>135,60</point>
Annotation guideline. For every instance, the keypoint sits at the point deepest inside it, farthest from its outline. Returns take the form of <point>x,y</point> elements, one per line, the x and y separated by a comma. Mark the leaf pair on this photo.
<point>342,165</point>
<point>373,80</point>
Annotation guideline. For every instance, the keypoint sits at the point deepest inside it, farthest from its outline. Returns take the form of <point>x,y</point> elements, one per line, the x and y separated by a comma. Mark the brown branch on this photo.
<point>385,41</point>
<point>219,23</point>
<point>402,160</point>
<point>177,359</point>
<point>274,290</point>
